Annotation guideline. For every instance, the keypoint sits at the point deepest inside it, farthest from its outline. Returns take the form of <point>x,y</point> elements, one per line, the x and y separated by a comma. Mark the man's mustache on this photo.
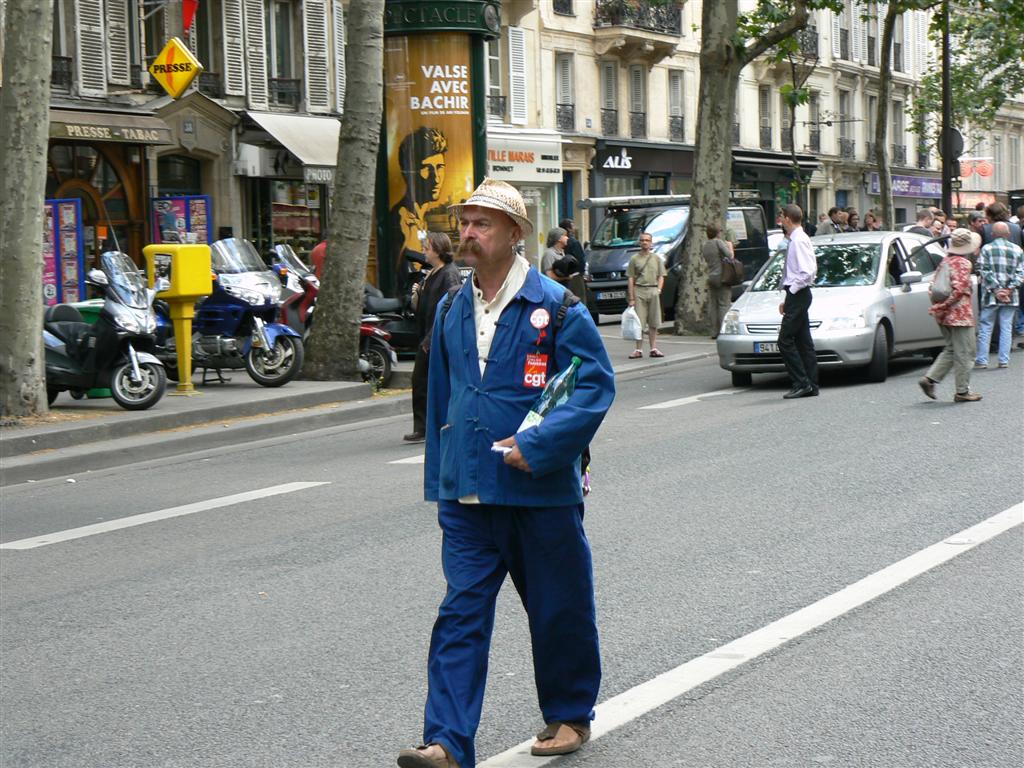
<point>470,248</point>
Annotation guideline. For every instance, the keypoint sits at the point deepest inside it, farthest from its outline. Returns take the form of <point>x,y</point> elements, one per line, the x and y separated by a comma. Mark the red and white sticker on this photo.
<point>540,318</point>
<point>535,372</point>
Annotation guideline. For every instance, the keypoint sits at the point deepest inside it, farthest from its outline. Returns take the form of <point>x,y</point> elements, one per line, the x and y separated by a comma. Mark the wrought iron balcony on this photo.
<point>285,91</point>
<point>565,117</point>
<point>61,72</point>
<point>638,125</point>
<point>610,122</point>
<point>564,7</point>
<point>923,159</point>
<point>787,139</point>
<point>872,51</point>
<point>766,137</point>
<point>496,105</point>
<point>899,154</point>
<point>808,38</point>
<point>211,84</point>
<point>897,57</point>
<point>847,148</point>
<point>844,44</point>
<point>676,128</point>
<point>814,140</point>
<point>664,18</point>
<point>735,134</point>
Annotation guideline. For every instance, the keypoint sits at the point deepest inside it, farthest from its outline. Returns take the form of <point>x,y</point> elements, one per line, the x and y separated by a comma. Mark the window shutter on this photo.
<point>609,85</point>
<point>859,33</point>
<point>234,50</point>
<point>314,29</point>
<point>120,72</point>
<point>908,42</point>
<point>764,107</point>
<point>784,113</point>
<point>835,34</point>
<point>339,56</point>
<point>675,93</point>
<point>565,95</point>
<point>637,81</point>
<point>256,55</point>
<point>517,112</point>
<point>90,48</point>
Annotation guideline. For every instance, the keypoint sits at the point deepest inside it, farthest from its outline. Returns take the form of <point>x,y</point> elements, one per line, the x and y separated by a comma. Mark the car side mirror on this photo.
<point>909,278</point>
<point>96,277</point>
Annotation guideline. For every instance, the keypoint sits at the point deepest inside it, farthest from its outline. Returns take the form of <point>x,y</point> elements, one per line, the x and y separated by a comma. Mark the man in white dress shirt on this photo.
<point>798,276</point>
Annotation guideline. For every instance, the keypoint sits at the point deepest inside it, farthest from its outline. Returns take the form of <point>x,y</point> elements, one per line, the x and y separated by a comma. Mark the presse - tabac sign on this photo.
<point>175,67</point>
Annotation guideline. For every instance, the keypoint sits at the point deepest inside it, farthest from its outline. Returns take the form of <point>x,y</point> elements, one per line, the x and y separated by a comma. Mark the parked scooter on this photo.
<point>115,352</point>
<point>235,326</point>
<point>299,289</point>
<point>396,316</point>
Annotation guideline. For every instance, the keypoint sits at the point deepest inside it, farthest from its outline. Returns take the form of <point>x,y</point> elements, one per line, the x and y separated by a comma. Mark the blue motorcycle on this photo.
<point>235,326</point>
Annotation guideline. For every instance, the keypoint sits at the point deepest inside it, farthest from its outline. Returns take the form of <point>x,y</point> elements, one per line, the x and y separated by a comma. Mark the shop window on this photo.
<point>620,186</point>
<point>178,175</point>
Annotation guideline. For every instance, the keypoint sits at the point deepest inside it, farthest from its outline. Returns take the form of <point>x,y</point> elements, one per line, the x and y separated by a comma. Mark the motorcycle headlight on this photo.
<point>125,318</point>
<point>246,295</point>
<point>731,324</point>
<point>844,323</point>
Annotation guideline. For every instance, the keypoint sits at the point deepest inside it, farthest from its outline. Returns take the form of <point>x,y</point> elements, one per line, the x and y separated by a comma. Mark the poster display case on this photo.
<point>176,217</point>
<point>63,252</point>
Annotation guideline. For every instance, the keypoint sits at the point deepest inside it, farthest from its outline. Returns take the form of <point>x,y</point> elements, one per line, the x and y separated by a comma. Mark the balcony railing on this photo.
<point>766,137</point>
<point>610,122</point>
<point>787,139</point>
<point>808,38</point>
<point>844,44</point>
<point>211,84</point>
<point>565,117</point>
<point>496,105</point>
<point>735,134</point>
<point>564,7</point>
<point>676,128</point>
<point>285,91</point>
<point>847,148</point>
<point>897,57</point>
<point>61,72</point>
<point>872,51</point>
<point>638,125</point>
<point>639,14</point>
<point>899,154</point>
<point>923,160</point>
<point>814,141</point>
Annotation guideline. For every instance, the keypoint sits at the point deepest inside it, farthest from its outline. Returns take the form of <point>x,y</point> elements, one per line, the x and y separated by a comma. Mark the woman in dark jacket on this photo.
<point>443,277</point>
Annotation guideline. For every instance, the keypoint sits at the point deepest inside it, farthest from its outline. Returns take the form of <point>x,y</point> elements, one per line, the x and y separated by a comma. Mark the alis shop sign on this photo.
<point>619,162</point>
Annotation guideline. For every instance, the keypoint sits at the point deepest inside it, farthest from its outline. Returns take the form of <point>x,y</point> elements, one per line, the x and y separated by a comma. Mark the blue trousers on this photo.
<point>986,322</point>
<point>547,554</point>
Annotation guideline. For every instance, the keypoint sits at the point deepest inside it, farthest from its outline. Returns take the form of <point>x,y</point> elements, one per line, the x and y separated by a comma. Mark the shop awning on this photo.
<point>313,140</point>
<point>125,127</point>
<point>782,161</point>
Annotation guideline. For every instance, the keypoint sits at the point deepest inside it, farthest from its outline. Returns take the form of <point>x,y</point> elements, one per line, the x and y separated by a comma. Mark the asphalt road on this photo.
<point>292,630</point>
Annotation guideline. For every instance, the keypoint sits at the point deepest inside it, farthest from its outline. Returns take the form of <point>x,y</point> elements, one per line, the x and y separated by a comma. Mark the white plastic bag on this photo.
<point>632,328</point>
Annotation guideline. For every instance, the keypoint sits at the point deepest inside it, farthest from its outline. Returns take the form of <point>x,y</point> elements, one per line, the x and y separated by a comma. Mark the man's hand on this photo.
<point>1003,295</point>
<point>514,457</point>
<point>782,308</point>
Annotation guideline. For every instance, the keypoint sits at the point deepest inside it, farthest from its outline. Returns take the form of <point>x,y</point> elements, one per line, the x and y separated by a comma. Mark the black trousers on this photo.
<point>419,391</point>
<point>795,341</point>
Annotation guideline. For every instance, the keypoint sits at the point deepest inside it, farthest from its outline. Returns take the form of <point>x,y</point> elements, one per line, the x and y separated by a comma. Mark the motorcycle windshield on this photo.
<point>284,254</point>
<point>234,256</point>
<point>125,279</point>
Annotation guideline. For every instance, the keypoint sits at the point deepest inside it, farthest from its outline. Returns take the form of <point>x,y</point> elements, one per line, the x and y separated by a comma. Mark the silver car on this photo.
<point>870,303</point>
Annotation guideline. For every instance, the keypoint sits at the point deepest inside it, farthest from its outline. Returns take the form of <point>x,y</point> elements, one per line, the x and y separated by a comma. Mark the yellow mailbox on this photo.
<point>186,267</point>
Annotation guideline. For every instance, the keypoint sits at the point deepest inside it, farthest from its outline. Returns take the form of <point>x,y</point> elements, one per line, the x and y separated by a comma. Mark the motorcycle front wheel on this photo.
<point>277,366</point>
<point>379,358</point>
<point>138,395</point>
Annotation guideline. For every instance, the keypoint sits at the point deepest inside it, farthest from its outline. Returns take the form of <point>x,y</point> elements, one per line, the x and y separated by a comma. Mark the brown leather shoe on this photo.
<point>560,739</point>
<point>968,397</point>
<point>427,756</point>
<point>927,386</point>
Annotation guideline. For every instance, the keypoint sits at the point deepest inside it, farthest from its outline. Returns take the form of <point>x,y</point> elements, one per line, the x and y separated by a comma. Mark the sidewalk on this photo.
<point>82,435</point>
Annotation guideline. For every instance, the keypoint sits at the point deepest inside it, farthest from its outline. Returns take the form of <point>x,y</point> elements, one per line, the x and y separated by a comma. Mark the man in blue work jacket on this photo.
<point>502,335</point>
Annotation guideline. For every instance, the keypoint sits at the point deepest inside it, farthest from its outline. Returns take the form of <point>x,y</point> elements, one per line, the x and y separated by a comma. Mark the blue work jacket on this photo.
<point>466,414</point>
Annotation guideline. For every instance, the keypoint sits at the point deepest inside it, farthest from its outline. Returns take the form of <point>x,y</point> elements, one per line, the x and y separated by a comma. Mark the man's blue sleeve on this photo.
<point>438,391</point>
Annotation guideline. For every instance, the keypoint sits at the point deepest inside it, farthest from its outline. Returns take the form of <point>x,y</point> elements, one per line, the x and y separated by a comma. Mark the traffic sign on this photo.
<point>175,67</point>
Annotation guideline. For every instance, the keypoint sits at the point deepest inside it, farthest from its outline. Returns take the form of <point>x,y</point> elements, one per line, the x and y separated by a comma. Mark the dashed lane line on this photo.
<point>690,399</point>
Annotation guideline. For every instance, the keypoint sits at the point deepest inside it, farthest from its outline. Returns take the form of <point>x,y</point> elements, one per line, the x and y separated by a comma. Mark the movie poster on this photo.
<point>429,136</point>
<point>50,281</point>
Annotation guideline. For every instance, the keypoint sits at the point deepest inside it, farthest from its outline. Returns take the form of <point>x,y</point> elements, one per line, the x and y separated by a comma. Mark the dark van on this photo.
<point>665,218</point>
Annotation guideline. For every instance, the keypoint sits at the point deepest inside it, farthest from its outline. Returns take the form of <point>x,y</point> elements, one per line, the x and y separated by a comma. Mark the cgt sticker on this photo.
<point>535,372</point>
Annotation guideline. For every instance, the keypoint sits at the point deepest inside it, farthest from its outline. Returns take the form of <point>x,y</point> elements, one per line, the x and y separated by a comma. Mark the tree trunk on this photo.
<point>333,347</point>
<point>24,131</point>
<point>712,171</point>
<point>882,123</point>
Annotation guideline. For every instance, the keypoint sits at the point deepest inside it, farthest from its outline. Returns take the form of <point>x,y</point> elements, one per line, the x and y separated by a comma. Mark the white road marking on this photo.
<point>688,400</point>
<point>152,517</point>
<point>629,705</point>
<point>661,340</point>
<point>411,460</point>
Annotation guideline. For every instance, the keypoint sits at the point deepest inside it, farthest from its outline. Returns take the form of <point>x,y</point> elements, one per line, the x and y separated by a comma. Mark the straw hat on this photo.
<point>963,242</point>
<point>498,196</point>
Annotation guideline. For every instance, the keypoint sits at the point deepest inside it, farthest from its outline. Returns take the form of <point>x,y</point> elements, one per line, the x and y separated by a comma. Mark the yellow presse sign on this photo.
<point>175,67</point>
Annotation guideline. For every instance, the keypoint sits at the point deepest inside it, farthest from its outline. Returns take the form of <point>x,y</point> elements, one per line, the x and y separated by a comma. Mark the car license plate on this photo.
<point>763,348</point>
<point>611,295</point>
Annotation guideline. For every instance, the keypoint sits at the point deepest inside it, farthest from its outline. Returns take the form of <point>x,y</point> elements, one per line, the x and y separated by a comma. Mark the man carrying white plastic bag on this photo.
<point>632,328</point>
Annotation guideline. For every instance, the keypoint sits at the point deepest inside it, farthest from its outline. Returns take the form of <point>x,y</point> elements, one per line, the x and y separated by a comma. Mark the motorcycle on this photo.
<point>234,327</point>
<point>396,316</point>
<point>299,289</point>
<point>116,351</point>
